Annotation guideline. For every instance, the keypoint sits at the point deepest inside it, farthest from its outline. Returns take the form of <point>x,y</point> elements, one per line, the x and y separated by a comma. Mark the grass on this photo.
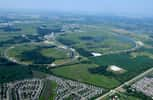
<point>59,55</point>
<point>80,72</point>
<point>49,90</point>
<point>123,96</point>
<point>26,29</point>
<point>97,73</point>
<point>38,74</point>
<point>148,52</point>
<point>54,52</point>
<point>94,39</point>
<point>133,66</point>
<point>18,50</point>
<point>11,72</point>
<point>14,72</point>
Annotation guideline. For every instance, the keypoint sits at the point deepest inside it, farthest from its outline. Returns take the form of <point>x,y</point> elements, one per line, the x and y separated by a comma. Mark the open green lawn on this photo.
<point>98,74</point>
<point>55,52</point>
<point>29,53</point>
<point>16,51</point>
<point>80,72</point>
<point>49,90</point>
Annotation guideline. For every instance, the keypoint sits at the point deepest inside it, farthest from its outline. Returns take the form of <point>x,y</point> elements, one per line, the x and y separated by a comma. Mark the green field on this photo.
<point>49,90</point>
<point>33,53</point>
<point>98,75</point>
<point>133,66</point>
<point>55,52</point>
<point>97,39</point>
<point>27,29</point>
<point>80,72</point>
<point>11,72</point>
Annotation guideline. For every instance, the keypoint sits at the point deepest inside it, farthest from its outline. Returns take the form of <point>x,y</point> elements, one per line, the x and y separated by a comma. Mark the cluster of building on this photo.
<point>4,94</point>
<point>145,86</point>
<point>71,27</point>
<point>29,89</point>
<point>73,89</point>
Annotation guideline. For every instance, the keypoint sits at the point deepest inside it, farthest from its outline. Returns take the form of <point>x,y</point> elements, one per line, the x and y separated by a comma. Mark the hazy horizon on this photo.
<point>117,7</point>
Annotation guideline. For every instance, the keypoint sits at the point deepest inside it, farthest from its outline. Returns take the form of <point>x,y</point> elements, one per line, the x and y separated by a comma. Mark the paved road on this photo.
<point>123,51</point>
<point>23,63</point>
<point>130,81</point>
<point>126,83</point>
<point>115,52</point>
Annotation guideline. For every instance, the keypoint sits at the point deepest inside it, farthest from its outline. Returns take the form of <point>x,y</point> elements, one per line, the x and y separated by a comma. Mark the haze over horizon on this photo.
<point>117,7</point>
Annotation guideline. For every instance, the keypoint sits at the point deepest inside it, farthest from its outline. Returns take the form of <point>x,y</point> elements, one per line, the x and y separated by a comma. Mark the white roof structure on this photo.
<point>139,43</point>
<point>96,54</point>
<point>48,42</point>
<point>115,68</point>
<point>62,46</point>
<point>53,64</point>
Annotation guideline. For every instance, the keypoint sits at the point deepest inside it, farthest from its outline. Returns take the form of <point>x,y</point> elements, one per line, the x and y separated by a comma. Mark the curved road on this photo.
<point>23,63</point>
<point>111,52</point>
<point>123,51</point>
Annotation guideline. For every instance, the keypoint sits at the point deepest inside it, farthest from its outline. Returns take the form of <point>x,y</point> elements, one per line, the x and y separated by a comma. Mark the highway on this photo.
<point>117,89</point>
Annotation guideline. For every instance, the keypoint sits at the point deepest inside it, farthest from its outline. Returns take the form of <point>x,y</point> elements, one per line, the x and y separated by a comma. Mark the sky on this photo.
<point>118,7</point>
